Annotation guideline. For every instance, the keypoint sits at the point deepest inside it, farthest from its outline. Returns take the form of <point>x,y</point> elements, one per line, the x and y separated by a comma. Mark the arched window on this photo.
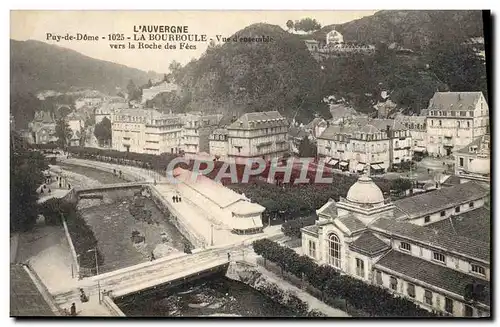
<point>335,250</point>
<point>397,144</point>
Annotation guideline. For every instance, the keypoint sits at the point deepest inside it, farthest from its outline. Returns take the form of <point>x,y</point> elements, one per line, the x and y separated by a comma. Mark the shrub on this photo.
<point>292,228</point>
<point>373,299</point>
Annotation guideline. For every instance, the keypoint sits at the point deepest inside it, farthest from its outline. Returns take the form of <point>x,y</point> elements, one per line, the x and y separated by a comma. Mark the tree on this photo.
<point>289,24</point>
<point>175,69</point>
<point>134,93</point>
<point>307,149</point>
<point>102,131</point>
<point>306,25</point>
<point>63,132</point>
<point>26,175</point>
<point>149,84</point>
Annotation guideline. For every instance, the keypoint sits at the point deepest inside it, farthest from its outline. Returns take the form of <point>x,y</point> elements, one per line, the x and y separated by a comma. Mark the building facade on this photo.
<point>455,119</point>
<point>218,144</point>
<point>356,143</point>
<point>472,162</point>
<point>362,237</point>
<point>418,131</point>
<point>196,132</point>
<point>258,134</point>
<point>43,128</point>
<point>77,125</point>
<point>146,131</point>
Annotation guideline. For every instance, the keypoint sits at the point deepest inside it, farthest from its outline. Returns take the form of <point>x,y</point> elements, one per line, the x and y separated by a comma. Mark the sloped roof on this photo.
<point>454,100</point>
<point>442,240</point>
<point>339,110</point>
<point>361,124</point>
<point>476,142</point>
<point>25,298</point>
<point>315,122</point>
<point>328,209</point>
<point>369,244</point>
<point>313,229</point>
<point>434,274</point>
<point>298,132</point>
<point>426,203</point>
<point>352,223</point>
<point>474,224</point>
<point>257,120</point>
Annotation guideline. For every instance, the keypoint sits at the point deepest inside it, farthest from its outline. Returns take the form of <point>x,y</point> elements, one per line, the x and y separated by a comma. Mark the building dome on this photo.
<point>480,165</point>
<point>365,191</point>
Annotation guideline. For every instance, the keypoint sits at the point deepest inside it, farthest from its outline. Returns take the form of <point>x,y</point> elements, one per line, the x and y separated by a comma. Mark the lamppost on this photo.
<point>96,262</point>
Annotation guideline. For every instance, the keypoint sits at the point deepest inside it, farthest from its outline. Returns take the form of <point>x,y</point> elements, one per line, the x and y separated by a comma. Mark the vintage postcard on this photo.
<point>250,164</point>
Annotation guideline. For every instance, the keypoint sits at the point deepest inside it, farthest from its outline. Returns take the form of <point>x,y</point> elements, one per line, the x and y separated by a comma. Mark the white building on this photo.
<point>230,209</point>
<point>454,120</point>
<point>146,131</point>
<point>88,101</point>
<point>218,144</point>
<point>356,143</point>
<point>334,37</point>
<point>365,237</point>
<point>43,128</point>
<point>418,131</point>
<point>107,108</point>
<point>77,125</point>
<point>196,132</point>
<point>258,134</point>
<point>472,162</point>
<point>163,87</point>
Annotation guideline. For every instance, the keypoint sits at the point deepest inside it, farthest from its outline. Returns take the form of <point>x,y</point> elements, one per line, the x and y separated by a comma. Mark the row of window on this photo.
<point>453,113</point>
<point>441,258</point>
<point>427,296</point>
<point>440,124</point>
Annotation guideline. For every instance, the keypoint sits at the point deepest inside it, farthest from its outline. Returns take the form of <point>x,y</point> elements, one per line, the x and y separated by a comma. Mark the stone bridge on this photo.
<point>109,187</point>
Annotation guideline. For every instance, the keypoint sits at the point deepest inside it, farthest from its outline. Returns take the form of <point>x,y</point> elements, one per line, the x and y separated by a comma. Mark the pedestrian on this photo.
<point>73,309</point>
<point>179,199</point>
<point>173,198</point>
<point>152,256</point>
<point>69,186</point>
<point>120,174</point>
<point>50,191</point>
<point>228,256</point>
<point>41,191</point>
<point>114,172</point>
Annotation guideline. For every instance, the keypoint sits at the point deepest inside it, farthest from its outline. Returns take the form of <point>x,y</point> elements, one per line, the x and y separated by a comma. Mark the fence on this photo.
<point>304,285</point>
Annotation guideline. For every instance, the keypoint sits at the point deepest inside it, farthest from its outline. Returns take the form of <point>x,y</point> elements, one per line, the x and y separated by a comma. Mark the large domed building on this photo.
<point>395,245</point>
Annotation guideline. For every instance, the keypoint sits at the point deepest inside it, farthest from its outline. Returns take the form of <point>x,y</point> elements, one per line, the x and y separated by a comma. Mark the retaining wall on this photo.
<point>112,307</point>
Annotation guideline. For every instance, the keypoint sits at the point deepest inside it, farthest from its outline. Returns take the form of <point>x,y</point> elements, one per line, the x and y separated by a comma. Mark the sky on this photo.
<point>35,25</point>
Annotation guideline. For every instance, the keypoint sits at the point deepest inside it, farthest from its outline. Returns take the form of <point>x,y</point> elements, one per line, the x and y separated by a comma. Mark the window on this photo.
<point>360,268</point>
<point>448,305</point>
<point>379,278</point>
<point>461,162</point>
<point>411,290</point>
<point>443,213</point>
<point>439,257</point>
<point>458,124</point>
<point>428,297</point>
<point>457,209</point>
<point>405,246</point>
<point>468,124</point>
<point>394,283</point>
<point>312,249</point>
<point>335,247</point>
<point>468,311</point>
<point>440,123</point>
<point>427,219</point>
<point>471,205</point>
<point>478,269</point>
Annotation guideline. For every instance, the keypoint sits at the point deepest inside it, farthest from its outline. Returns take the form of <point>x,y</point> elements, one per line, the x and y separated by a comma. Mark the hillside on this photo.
<point>411,28</point>
<point>279,75</point>
<point>36,66</point>
<point>282,75</point>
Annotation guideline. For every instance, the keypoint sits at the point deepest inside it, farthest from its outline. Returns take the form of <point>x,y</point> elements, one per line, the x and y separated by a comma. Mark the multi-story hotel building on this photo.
<point>358,142</point>
<point>196,132</point>
<point>455,119</point>
<point>258,134</point>
<point>431,248</point>
<point>472,162</point>
<point>146,131</point>
<point>218,144</point>
<point>418,131</point>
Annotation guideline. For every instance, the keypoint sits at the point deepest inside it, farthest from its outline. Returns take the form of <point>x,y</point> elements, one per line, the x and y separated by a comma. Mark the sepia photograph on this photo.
<point>321,164</point>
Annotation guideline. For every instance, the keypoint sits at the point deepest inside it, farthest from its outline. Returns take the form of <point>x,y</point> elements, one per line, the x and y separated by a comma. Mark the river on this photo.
<point>214,295</point>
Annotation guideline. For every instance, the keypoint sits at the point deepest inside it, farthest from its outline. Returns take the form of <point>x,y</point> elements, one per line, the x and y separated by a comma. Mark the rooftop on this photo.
<point>438,239</point>
<point>361,124</point>
<point>352,223</point>
<point>329,209</point>
<point>426,203</point>
<point>482,140</point>
<point>369,244</point>
<point>25,298</point>
<point>430,273</point>
<point>474,224</point>
<point>258,120</point>
<point>454,100</point>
